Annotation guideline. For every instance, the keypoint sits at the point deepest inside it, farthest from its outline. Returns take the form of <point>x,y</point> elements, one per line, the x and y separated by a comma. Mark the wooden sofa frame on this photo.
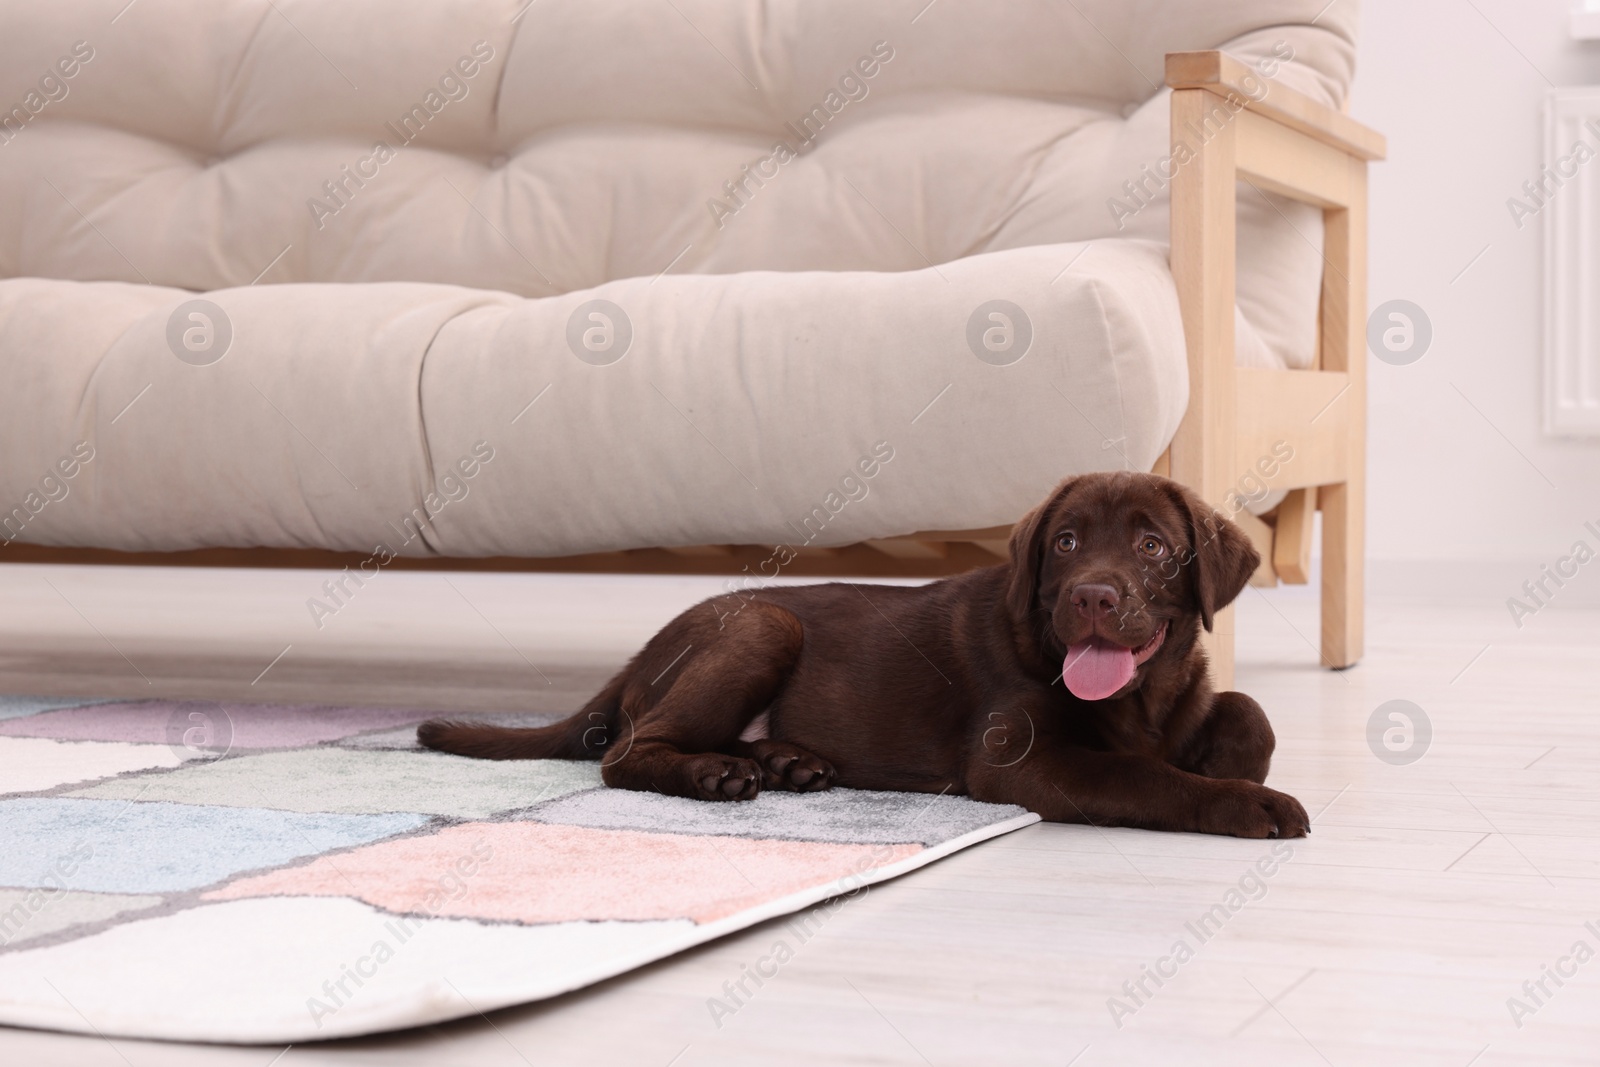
<point>1278,141</point>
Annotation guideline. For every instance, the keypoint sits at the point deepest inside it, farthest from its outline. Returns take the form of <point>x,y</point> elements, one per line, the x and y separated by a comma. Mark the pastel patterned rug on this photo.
<point>275,874</point>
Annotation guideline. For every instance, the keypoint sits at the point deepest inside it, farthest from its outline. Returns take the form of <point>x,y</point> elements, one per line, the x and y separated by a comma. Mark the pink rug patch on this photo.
<point>531,872</point>
<point>161,722</point>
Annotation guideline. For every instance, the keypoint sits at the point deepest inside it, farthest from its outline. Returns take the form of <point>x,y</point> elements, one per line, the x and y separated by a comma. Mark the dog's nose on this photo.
<point>1095,601</point>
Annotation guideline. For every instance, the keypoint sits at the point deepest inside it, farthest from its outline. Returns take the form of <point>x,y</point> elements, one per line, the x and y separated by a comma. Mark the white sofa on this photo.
<point>406,213</point>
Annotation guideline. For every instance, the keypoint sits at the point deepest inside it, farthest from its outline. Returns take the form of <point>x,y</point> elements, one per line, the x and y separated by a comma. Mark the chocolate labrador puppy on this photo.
<point>1069,681</point>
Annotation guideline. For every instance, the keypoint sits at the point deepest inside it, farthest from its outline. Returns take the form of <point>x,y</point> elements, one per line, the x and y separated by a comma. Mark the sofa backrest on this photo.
<point>550,146</point>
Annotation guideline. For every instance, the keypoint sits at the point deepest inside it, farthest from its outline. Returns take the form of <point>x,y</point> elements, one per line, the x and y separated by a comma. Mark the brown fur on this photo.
<point>956,686</point>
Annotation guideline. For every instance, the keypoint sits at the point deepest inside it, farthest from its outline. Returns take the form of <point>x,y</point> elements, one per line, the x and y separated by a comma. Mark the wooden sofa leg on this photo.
<point>1219,649</point>
<point>1343,573</point>
<point>1291,543</point>
<point>1344,505</point>
<point>1202,452</point>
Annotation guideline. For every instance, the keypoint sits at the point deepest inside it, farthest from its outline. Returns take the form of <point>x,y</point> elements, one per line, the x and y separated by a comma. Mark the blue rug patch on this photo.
<point>119,846</point>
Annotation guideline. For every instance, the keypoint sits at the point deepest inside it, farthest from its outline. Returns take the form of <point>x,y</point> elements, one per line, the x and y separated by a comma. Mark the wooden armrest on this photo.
<point>1224,75</point>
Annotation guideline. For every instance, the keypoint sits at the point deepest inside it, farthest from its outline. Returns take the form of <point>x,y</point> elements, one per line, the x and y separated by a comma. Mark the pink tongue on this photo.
<point>1094,671</point>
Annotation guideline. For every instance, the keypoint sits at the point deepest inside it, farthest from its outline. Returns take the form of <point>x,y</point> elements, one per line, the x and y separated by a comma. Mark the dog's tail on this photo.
<point>584,735</point>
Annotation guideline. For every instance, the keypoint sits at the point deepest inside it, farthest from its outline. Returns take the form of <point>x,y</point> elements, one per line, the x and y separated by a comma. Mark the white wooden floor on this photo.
<point>1426,896</point>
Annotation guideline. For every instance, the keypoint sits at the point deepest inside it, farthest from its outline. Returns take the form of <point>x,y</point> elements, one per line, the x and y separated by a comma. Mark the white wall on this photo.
<point>1462,111</point>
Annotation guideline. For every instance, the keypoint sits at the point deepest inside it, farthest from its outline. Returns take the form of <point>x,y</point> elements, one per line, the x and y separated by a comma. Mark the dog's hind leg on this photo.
<point>697,685</point>
<point>787,766</point>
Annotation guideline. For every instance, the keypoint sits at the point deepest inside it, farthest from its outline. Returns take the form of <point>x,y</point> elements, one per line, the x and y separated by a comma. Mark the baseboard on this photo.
<point>1486,580</point>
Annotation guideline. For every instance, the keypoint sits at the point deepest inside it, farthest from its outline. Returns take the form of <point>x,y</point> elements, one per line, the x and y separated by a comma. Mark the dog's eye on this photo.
<point>1067,542</point>
<point>1152,547</point>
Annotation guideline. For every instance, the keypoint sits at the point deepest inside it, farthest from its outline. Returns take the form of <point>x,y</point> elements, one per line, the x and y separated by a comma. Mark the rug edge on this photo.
<point>489,998</point>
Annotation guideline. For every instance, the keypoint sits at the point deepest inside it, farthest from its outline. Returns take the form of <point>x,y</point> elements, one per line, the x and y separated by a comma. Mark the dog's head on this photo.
<point>1112,564</point>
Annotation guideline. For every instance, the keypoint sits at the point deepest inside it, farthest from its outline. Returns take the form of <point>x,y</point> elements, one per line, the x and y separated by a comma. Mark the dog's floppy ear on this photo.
<point>1027,553</point>
<point>1224,559</point>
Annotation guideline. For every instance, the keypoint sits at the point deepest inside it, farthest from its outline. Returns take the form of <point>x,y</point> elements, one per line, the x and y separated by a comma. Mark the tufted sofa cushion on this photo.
<point>339,168</point>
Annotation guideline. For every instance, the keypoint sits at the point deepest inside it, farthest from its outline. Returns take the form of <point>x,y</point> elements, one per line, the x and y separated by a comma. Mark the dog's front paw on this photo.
<point>726,777</point>
<point>1244,809</point>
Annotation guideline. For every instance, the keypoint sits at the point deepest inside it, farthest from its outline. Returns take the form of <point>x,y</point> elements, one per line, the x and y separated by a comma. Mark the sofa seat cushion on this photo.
<point>743,408</point>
